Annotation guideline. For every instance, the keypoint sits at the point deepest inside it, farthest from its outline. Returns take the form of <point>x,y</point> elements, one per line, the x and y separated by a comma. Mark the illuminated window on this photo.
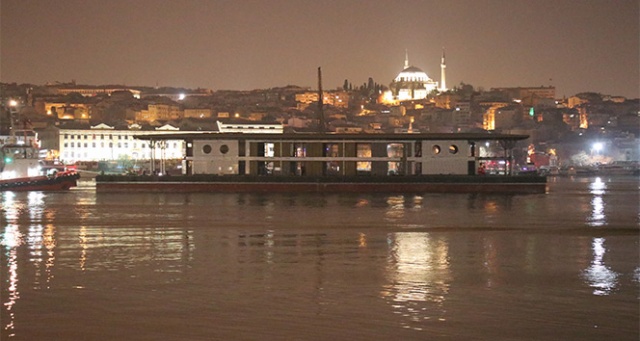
<point>363,151</point>
<point>453,149</point>
<point>395,150</point>
<point>436,149</point>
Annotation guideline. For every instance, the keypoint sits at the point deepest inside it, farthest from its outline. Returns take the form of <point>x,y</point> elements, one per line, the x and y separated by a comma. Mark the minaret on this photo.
<point>406,59</point>
<point>443,80</point>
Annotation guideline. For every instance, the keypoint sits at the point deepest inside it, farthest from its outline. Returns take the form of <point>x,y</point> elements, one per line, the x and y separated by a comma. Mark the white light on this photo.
<point>181,97</point>
<point>13,103</point>
<point>597,146</point>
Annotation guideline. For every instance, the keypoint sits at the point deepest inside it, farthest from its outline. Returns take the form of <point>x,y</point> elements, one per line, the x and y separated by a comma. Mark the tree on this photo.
<point>464,90</point>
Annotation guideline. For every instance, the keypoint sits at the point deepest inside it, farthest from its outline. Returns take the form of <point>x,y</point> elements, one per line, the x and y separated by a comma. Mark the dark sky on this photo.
<point>578,45</point>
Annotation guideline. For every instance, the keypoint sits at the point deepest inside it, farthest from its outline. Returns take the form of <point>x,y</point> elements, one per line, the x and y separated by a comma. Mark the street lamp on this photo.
<point>597,147</point>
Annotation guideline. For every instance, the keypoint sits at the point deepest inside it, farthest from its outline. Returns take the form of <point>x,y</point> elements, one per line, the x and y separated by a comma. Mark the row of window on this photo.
<point>453,149</point>
<point>248,127</point>
<point>364,150</point>
<point>95,137</point>
<point>102,145</point>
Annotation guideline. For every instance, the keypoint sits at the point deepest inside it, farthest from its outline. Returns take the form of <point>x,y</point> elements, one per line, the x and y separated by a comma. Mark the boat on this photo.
<point>21,169</point>
<point>328,162</point>
<point>619,168</point>
<point>333,163</point>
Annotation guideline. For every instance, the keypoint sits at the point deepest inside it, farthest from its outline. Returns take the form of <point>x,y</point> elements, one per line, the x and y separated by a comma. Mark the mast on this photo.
<point>322,127</point>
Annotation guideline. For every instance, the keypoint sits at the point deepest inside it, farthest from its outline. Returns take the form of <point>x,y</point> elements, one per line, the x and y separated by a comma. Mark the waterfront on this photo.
<point>140,266</point>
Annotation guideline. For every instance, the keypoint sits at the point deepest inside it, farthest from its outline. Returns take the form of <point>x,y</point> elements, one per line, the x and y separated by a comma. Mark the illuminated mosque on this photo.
<point>414,84</point>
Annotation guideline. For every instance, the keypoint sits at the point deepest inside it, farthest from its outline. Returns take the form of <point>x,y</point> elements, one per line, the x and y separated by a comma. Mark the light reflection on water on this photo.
<point>598,189</point>
<point>599,275</point>
<point>402,262</point>
<point>419,277</point>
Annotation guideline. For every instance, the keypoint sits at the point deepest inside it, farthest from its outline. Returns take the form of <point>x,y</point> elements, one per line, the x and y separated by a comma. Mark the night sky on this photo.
<point>579,45</point>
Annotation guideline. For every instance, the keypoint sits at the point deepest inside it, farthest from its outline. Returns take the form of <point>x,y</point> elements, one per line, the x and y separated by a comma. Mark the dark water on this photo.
<point>82,265</point>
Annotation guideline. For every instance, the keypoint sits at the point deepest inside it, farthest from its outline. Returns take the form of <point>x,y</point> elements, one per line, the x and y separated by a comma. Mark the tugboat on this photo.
<point>22,170</point>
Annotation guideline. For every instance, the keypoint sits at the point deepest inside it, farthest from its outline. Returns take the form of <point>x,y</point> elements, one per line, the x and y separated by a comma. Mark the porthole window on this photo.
<point>224,149</point>
<point>436,149</point>
<point>453,149</point>
<point>206,149</point>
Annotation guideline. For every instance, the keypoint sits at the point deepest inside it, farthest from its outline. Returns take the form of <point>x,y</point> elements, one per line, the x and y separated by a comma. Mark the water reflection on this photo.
<point>600,277</point>
<point>418,267</point>
<point>11,240</point>
<point>395,210</point>
<point>597,188</point>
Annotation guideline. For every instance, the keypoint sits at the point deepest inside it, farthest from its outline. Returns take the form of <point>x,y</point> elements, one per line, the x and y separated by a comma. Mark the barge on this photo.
<point>330,162</point>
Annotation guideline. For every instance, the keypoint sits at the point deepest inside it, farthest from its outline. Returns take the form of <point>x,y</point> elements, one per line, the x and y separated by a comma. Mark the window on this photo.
<point>363,151</point>
<point>453,149</point>
<point>207,149</point>
<point>395,150</point>
<point>224,149</point>
<point>436,149</point>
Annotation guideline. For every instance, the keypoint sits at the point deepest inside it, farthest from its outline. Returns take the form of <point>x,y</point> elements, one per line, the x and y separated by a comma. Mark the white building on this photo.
<point>103,142</point>
<point>106,143</point>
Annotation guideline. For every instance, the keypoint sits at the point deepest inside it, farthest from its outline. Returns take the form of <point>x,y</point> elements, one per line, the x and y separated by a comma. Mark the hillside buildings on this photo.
<point>101,123</point>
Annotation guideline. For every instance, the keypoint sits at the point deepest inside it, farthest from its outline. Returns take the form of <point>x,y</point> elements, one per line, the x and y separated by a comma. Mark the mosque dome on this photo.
<point>412,84</point>
<point>412,74</point>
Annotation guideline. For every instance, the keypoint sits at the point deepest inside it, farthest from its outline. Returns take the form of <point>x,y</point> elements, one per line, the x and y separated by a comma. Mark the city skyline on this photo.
<point>572,45</point>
